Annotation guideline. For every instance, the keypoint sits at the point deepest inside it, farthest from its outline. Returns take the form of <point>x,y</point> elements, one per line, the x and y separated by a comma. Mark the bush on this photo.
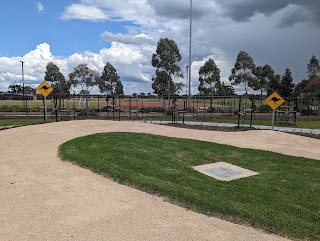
<point>84,113</point>
<point>264,109</point>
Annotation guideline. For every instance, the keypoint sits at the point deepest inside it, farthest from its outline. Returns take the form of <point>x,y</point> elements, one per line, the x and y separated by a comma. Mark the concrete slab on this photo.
<point>224,171</point>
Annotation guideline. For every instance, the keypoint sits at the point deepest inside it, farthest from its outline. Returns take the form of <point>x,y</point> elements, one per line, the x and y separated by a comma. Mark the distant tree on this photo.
<point>165,60</point>
<point>313,86</point>
<point>313,67</point>
<point>15,89</point>
<point>263,75</point>
<point>243,71</point>
<point>274,84</point>
<point>134,95</point>
<point>228,90</point>
<point>142,94</point>
<point>301,88</point>
<point>29,90</point>
<point>286,84</point>
<point>110,82</point>
<point>209,78</point>
<point>84,79</point>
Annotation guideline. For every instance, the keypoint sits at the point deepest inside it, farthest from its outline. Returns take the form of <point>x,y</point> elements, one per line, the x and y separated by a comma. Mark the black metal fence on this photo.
<point>242,109</point>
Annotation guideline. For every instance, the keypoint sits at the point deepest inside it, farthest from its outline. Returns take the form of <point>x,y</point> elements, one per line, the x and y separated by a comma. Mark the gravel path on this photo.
<point>44,198</point>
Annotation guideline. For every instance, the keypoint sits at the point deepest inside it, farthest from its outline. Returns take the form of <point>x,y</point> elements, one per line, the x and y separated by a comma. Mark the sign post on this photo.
<point>45,89</point>
<point>274,101</point>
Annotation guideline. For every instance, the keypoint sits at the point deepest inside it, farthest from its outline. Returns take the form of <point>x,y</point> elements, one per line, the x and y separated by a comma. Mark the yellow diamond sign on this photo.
<point>274,100</point>
<point>44,88</point>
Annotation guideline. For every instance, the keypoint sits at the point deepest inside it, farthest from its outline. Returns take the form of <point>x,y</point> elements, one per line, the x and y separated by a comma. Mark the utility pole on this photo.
<point>190,63</point>
<point>23,98</point>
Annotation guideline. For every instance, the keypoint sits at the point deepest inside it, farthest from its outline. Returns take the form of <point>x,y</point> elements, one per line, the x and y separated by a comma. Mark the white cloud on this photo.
<point>140,39</point>
<point>40,7</point>
<point>84,12</point>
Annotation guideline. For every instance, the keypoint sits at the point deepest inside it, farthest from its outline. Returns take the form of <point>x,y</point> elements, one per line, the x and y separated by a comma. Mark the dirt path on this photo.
<point>44,198</point>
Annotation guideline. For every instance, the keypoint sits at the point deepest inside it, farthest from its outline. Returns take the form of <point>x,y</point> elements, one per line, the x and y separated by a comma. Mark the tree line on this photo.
<point>260,79</point>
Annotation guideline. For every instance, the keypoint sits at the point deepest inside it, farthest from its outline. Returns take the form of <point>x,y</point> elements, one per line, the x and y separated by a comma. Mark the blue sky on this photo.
<point>283,34</point>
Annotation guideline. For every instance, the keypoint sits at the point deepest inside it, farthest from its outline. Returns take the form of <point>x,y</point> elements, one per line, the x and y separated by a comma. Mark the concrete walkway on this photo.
<point>259,127</point>
<point>44,198</point>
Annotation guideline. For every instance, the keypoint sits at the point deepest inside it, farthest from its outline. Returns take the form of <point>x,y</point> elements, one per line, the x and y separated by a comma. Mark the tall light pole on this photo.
<point>22,62</point>
<point>187,67</point>
<point>189,95</point>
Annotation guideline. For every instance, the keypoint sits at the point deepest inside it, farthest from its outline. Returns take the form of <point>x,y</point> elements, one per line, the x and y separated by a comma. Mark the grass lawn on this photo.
<point>284,198</point>
<point>299,124</point>
<point>12,122</point>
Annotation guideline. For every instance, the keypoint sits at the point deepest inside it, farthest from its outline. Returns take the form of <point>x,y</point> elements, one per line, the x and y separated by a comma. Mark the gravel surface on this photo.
<point>44,198</point>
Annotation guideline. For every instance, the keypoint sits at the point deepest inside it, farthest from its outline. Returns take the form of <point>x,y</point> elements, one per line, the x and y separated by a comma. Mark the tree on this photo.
<point>110,82</point>
<point>263,76</point>
<point>301,87</point>
<point>29,90</point>
<point>165,60</point>
<point>228,90</point>
<point>274,84</point>
<point>209,78</point>
<point>313,86</point>
<point>313,67</point>
<point>60,86</point>
<point>243,71</point>
<point>286,84</point>
<point>160,82</point>
<point>84,79</point>
<point>15,89</point>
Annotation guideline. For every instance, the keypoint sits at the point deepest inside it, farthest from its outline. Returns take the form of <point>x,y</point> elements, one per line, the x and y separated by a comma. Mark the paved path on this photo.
<point>259,127</point>
<point>44,198</point>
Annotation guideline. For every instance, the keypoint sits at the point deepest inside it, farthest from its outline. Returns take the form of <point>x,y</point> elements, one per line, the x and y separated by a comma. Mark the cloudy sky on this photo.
<point>281,33</point>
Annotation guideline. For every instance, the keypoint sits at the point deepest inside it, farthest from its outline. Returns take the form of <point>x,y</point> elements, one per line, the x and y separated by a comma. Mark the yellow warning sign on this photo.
<point>274,100</point>
<point>44,88</point>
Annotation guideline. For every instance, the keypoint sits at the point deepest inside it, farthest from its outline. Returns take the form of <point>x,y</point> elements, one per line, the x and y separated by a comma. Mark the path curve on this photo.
<point>44,198</point>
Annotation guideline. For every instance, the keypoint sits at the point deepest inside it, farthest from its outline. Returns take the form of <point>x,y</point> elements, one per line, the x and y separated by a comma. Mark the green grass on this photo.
<point>12,122</point>
<point>284,198</point>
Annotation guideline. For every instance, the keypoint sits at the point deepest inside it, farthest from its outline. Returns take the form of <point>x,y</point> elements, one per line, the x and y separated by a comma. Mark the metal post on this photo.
<point>273,117</point>
<point>239,112</point>
<point>187,67</point>
<point>45,109</point>
<point>190,63</point>
<point>23,98</point>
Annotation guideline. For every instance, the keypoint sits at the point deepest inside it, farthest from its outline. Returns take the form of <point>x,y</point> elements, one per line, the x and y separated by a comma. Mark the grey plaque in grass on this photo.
<point>224,171</point>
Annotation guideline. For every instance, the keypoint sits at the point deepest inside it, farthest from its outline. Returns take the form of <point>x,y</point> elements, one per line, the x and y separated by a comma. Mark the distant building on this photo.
<point>10,96</point>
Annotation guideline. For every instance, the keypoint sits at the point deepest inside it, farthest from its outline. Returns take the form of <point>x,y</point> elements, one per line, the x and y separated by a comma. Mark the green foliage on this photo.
<point>301,88</point>
<point>263,75</point>
<point>243,71</point>
<point>110,82</point>
<point>313,86</point>
<point>87,113</point>
<point>313,67</point>
<point>286,84</point>
<point>55,78</point>
<point>83,77</point>
<point>160,84</point>
<point>274,84</point>
<point>209,78</point>
<point>165,60</point>
<point>227,90</point>
<point>15,89</point>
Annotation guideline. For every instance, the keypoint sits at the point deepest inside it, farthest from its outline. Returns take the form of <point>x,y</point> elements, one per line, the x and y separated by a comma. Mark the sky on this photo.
<point>281,33</point>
